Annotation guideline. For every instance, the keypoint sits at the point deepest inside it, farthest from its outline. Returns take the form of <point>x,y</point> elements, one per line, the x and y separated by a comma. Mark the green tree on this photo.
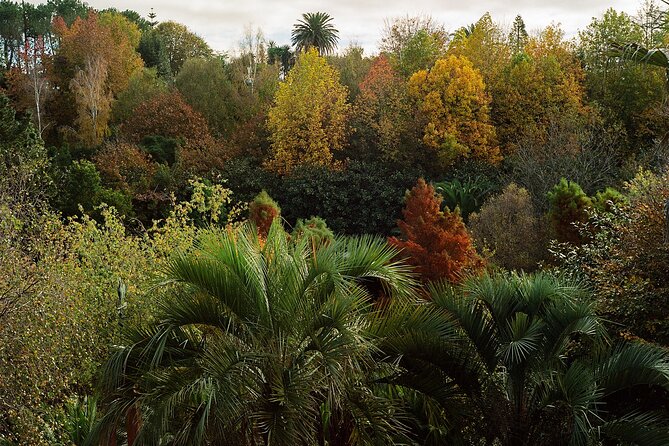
<point>627,92</point>
<point>24,178</point>
<point>353,66</point>
<point>154,53</point>
<point>518,36</point>
<point>180,45</point>
<point>315,30</point>
<point>569,207</point>
<point>413,43</point>
<point>256,343</point>
<point>206,86</point>
<point>308,121</point>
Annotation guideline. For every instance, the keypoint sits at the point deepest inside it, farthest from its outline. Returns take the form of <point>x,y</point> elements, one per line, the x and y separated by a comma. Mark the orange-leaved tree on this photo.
<point>308,121</point>
<point>383,116</point>
<point>456,110</point>
<point>95,59</point>
<point>436,242</point>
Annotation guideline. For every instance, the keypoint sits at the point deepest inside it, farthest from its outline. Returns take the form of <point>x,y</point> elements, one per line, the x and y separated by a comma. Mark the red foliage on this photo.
<point>170,116</point>
<point>435,242</point>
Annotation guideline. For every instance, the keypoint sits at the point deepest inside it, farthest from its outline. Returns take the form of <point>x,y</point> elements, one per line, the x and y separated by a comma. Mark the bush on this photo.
<point>627,259</point>
<point>467,195</point>
<point>508,225</point>
<point>362,198</point>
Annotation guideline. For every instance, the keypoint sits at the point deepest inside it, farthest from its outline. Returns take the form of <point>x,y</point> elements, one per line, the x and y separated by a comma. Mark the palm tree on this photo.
<point>520,360</point>
<point>257,342</point>
<point>315,30</point>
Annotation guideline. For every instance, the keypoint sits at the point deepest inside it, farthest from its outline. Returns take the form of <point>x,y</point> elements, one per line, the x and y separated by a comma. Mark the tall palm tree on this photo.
<point>315,30</point>
<point>520,360</point>
<point>257,343</point>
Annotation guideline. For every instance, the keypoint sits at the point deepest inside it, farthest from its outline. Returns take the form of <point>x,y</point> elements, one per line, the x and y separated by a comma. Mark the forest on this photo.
<point>460,239</point>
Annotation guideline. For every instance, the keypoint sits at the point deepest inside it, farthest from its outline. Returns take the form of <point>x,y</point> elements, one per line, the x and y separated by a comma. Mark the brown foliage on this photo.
<point>508,225</point>
<point>126,167</point>
<point>170,116</point>
<point>435,241</point>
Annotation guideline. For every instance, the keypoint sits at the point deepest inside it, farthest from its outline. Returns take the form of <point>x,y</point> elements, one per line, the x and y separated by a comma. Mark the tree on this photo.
<point>413,43</point>
<point>11,35</point>
<point>94,63</point>
<point>436,242</point>
<point>486,45</point>
<point>522,360</point>
<point>206,86</point>
<point>625,258</point>
<point>169,116</point>
<point>144,85</point>
<point>181,44</point>
<point>383,118</point>
<point>24,181</point>
<point>518,36</point>
<point>263,210</point>
<point>257,343</point>
<point>315,30</point>
<point>154,53</point>
<point>93,100</point>
<point>281,55</point>
<point>569,207</point>
<point>456,110</point>
<point>308,121</point>
<point>253,54</point>
<point>628,93</point>
<point>353,66</point>
<point>540,85</point>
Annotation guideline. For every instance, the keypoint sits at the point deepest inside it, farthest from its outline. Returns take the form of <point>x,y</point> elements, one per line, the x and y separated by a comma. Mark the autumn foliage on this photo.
<point>456,111</point>
<point>436,242</point>
<point>308,121</point>
<point>168,115</point>
<point>383,115</point>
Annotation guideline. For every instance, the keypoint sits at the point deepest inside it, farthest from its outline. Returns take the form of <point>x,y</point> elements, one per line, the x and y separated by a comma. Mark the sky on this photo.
<point>222,22</point>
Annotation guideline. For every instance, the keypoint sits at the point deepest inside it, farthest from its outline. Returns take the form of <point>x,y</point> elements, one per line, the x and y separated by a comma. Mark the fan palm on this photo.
<point>315,30</point>
<point>522,360</point>
<point>257,342</point>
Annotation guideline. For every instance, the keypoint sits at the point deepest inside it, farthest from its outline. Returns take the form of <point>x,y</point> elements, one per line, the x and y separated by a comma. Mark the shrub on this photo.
<point>627,259</point>
<point>508,225</point>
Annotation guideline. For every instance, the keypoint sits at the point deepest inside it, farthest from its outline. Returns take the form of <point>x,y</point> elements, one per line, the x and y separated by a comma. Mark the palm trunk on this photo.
<point>132,424</point>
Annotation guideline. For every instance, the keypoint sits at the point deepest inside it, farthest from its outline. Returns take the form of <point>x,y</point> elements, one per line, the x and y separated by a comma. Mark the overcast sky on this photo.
<point>221,22</point>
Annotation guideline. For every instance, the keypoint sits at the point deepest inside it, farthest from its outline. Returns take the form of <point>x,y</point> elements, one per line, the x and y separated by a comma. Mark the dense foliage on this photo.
<point>462,239</point>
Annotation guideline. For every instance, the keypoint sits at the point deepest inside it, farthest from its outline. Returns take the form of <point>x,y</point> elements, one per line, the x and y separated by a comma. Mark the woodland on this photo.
<point>460,239</point>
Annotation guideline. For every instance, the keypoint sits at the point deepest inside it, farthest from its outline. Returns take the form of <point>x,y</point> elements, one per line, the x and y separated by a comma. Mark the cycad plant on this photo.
<point>257,343</point>
<point>521,360</point>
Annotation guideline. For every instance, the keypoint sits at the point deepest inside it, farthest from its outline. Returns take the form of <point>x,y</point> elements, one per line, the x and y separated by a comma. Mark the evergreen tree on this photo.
<point>518,35</point>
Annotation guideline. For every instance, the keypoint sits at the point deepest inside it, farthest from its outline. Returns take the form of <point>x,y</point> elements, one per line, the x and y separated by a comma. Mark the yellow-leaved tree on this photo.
<point>455,108</point>
<point>308,121</point>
